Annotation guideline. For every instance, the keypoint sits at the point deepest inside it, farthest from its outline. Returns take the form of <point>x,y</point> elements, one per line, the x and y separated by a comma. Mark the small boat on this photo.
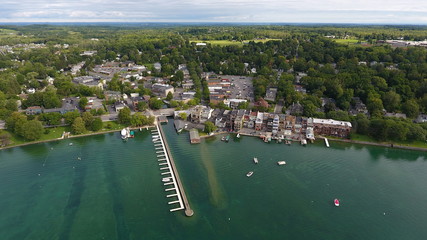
<point>238,135</point>
<point>303,142</point>
<point>227,138</point>
<point>255,160</point>
<point>166,179</point>
<point>280,163</point>
<point>336,202</point>
<point>70,144</point>
<point>223,139</point>
<point>249,174</point>
<point>124,133</point>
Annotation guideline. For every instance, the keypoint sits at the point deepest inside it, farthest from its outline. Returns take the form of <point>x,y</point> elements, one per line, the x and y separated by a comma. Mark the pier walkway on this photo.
<point>169,173</point>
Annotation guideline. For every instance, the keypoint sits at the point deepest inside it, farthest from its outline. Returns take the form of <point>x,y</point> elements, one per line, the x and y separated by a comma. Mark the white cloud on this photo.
<point>339,11</point>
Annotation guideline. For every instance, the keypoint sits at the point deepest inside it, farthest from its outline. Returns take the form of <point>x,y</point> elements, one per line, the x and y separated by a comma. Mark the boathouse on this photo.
<point>194,136</point>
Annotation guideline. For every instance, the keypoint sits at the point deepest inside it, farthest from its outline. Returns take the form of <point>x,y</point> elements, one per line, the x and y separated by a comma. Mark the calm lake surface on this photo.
<point>115,190</point>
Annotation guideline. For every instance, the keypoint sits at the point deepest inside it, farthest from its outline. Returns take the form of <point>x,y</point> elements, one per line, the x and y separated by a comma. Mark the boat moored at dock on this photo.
<point>166,179</point>
<point>303,142</point>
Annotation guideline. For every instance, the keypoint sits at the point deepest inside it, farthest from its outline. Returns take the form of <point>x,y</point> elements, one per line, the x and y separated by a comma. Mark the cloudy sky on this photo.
<point>287,11</point>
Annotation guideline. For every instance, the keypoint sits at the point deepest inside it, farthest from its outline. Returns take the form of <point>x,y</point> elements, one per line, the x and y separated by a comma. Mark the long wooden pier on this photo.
<point>167,163</point>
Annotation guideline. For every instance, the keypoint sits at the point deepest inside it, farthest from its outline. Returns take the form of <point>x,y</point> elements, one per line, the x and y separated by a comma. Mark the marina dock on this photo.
<point>326,142</point>
<point>169,173</point>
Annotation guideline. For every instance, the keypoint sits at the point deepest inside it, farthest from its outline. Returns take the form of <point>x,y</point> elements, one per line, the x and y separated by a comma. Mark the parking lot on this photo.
<point>241,87</point>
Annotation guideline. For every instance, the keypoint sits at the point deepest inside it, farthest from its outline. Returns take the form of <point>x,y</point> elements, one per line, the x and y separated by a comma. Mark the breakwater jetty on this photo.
<point>169,172</point>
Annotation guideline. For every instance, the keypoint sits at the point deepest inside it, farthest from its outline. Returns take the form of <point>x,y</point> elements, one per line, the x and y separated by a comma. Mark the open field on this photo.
<point>230,43</point>
<point>347,41</point>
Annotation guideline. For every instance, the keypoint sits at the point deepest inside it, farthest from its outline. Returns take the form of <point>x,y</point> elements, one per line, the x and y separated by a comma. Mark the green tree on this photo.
<point>71,116</point>
<point>243,105</point>
<point>32,130</point>
<point>15,119</point>
<point>391,101</point>
<point>83,102</point>
<point>416,133</point>
<point>97,124</point>
<point>396,130</point>
<point>11,105</point>
<point>362,124</point>
<point>142,106</point>
<point>88,119</point>
<point>209,127</point>
<point>78,126</point>
<point>169,96</point>
<point>124,116</point>
<point>378,129</point>
<point>51,99</point>
<point>183,115</point>
<point>5,139</point>
<point>411,108</point>
<point>155,103</point>
<point>53,118</point>
<point>137,120</point>
<point>375,105</point>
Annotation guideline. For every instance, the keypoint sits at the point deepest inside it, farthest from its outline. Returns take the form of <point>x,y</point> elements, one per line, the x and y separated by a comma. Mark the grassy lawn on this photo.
<point>419,144</point>
<point>347,41</point>
<point>56,132</point>
<point>359,137</point>
<point>230,43</point>
<point>7,32</point>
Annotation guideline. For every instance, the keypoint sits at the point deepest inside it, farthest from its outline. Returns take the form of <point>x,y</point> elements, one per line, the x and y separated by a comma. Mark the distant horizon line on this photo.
<point>207,23</point>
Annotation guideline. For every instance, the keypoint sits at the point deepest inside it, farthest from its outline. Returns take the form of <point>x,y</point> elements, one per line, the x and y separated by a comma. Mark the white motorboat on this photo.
<point>166,179</point>
<point>249,174</point>
<point>255,160</point>
<point>238,135</point>
<point>281,163</point>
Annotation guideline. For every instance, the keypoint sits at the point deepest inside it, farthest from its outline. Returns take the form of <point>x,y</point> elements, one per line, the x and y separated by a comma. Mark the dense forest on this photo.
<point>384,78</point>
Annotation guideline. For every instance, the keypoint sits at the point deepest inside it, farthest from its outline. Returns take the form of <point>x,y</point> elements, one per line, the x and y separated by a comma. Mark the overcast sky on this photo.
<point>286,11</point>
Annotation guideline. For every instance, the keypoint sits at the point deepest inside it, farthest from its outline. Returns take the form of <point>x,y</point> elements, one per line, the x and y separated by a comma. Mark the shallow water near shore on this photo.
<point>115,190</point>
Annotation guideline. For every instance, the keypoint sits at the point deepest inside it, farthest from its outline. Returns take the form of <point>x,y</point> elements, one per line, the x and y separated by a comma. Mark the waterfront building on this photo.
<point>200,114</point>
<point>309,133</point>
<point>275,124</point>
<point>259,121</point>
<point>194,136</point>
<point>331,127</point>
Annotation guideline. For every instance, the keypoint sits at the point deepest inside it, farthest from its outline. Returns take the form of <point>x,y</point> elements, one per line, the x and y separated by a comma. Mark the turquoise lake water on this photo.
<point>115,190</point>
